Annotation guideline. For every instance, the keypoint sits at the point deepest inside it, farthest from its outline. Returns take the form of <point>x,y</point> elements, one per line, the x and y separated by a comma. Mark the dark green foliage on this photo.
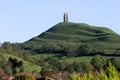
<point>109,74</point>
<point>49,47</point>
<point>71,51</point>
<point>115,62</point>
<point>11,48</point>
<point>86,67</point>
<point>7,47</point>
<point>81,50</point>
<point>77,66</point>
<point>8,70</point>
<point>99,62</point>
<point>69,68</point>
<point>84,49</point>
<point>15,64</point>
<point>2,58</point>
<point>82,67</point>
<point>54,62</point>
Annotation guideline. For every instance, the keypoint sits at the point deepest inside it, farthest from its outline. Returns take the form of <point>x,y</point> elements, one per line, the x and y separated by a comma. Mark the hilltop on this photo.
<point>64,33</point>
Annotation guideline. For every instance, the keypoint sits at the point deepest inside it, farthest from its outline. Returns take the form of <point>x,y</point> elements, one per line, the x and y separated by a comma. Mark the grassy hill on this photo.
<point>100,38</point>
<point>27,65</point>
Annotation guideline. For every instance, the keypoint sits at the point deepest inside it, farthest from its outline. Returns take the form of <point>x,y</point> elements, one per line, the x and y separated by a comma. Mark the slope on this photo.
<point>27,65</point>
<point>100,38</point>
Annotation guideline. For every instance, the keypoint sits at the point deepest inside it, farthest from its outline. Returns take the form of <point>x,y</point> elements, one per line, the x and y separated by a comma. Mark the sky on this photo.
<point>21,20</point>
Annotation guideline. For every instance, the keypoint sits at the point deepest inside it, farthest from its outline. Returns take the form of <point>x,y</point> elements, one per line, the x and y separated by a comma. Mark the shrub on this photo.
<point>84,49</point>
<point>110,74</point>
<point>99,62</point>
<point>24,76</point>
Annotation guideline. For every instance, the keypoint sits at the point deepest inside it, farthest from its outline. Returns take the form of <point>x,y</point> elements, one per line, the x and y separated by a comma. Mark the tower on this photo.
<point>65,17</point>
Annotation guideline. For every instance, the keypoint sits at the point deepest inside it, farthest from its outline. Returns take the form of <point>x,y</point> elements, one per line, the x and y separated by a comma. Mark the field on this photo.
<point>69,59</point>
<point>79,59</point>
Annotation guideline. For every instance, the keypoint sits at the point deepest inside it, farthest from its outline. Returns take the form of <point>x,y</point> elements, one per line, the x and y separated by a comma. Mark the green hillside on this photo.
<point>100,38</point>
<point>27,65</point>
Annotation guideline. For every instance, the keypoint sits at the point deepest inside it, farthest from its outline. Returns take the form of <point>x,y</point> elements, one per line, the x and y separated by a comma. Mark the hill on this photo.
<point>62,34</point>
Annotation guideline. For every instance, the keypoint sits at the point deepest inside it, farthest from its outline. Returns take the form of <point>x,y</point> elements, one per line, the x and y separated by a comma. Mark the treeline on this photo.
<point>69,50</point>
<point>16,49</point>
<point>109,74</point>
<point>54,65</point>
<point>12,48</point>
<point>11,65</point>
<point>98,62</point>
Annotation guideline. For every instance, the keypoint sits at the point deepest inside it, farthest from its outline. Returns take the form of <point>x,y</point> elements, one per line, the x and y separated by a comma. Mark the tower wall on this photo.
<point>65,17</point>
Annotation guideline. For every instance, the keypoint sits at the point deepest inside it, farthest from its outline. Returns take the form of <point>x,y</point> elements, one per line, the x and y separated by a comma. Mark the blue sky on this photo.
<point>20,20</point>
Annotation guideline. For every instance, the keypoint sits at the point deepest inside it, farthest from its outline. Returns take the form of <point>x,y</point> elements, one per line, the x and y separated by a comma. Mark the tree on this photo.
<point>69,68</point>
<point>116,62</point>
<point>109,74</point>
<point>86,67</point>
<point>84,49</point>
<point>7,46</point>
<point>49,47</point>
<point>24,76</point>
<point>112,72</point>
<point>71,50</point>
<point>54,62</point>
<point>99,62</point>
<point>77,66</point>
<point>8,69</point>
<point>15,64</point>
<point>3,62</point>
<point>20,63</point>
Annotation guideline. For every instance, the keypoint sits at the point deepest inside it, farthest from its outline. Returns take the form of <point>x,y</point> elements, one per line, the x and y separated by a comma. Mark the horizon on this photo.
<point>23,20</point>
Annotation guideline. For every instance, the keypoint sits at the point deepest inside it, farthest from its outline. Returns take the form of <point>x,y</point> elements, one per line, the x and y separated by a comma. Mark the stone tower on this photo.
<point>65,17</point>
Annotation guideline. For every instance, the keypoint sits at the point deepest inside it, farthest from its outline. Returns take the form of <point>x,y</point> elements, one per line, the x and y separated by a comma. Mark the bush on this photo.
<point>84,49</point>
<point>78,50</point>
<point>99,62</point>
<point>116,62</point>
<point>110,74</point>
<point>49,47</point>
<point>71,51</point>
<point>24,76</point>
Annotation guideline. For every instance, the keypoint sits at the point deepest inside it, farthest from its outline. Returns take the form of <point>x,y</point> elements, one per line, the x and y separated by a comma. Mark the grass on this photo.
<point>27,65</point>
<point>83,59</point>
<point>79,59</point>
<point>45,55</point>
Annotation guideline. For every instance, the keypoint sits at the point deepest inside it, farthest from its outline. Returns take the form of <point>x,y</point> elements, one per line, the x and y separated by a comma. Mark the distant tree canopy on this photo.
<point>71,50</point>
<point>84,49</point>
<point>99,62</point>
<point>115,62</point>
<point>7,46</point>
<point>47,47</point>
